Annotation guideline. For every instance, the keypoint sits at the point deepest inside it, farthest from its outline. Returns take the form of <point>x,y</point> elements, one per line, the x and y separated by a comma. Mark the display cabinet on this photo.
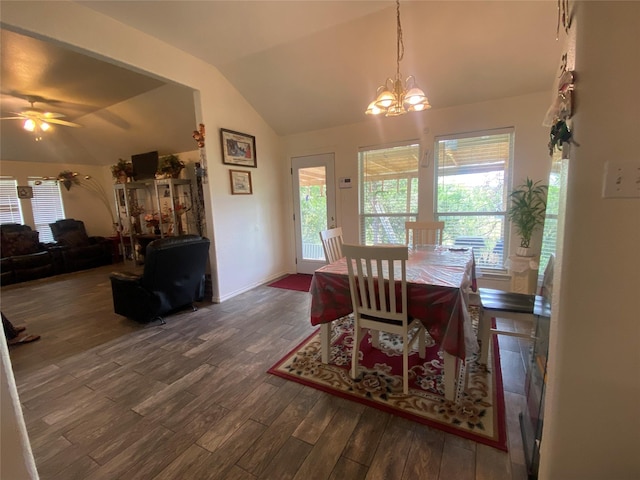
<point>150,210</point>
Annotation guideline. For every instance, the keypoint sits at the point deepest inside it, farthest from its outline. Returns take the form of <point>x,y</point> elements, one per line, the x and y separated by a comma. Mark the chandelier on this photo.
<point>396,97</point>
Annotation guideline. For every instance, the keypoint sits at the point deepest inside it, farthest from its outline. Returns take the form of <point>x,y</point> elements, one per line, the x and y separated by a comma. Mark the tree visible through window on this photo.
<point>471,192</point>
<point>388,193</point>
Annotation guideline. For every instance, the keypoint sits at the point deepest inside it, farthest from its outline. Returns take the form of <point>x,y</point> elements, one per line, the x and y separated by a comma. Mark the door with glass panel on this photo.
<point>314,207</point>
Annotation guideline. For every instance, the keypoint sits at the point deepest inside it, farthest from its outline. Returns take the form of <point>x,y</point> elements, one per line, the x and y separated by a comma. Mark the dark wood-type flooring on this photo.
<point>107,398</point>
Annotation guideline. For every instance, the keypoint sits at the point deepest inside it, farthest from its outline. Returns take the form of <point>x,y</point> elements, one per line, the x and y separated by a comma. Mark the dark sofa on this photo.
<point>80,251</point>
<point>24,257</point>
<point>173,278</point>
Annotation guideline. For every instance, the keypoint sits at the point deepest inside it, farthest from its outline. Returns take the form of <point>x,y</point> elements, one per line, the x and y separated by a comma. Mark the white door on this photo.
<point>314,207</point>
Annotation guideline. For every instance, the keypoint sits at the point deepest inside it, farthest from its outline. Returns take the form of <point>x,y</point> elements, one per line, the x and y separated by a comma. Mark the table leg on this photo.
<point>484,331</point>
<point>450,376</point>
<point>325,341</point>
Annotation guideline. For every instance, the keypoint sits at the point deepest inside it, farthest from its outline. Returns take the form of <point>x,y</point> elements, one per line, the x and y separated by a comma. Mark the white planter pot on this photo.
<point>525,252</point>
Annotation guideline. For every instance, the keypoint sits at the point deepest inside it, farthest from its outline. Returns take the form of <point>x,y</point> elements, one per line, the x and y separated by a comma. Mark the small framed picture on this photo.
<point>238,148</point>
<point>25,192</point>
<point>240,182</point>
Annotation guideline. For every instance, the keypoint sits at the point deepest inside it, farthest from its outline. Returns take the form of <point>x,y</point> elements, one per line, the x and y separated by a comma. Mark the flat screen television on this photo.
<point>144,165</point>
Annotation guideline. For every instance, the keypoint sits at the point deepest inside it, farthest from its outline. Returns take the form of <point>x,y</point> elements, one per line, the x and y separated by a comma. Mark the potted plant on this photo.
<point>527,212</point>
<point>170,166</point>
<point>122,170</point>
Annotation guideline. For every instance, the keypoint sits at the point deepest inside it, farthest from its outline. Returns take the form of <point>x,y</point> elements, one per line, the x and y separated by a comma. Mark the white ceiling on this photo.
<point>306,65</point>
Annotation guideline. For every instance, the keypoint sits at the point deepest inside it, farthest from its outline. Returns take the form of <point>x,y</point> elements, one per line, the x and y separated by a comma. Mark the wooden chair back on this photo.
<point>332,244</point>
<point>423,233</point>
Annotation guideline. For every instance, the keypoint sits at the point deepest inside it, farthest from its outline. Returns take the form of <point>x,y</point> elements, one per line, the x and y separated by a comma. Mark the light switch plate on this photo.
<point>621,179</point>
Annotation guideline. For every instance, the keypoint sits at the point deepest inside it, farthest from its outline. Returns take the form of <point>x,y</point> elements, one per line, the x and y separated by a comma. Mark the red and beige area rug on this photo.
<point>296,281</point>
<point>477,415</point>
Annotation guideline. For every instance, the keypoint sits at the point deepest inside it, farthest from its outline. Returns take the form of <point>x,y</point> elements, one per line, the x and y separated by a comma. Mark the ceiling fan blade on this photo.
<point>62,122</point>
<point>12,118</point>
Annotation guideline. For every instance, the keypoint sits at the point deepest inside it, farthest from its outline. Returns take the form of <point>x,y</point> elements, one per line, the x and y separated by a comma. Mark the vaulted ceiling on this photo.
<point>303,65</point>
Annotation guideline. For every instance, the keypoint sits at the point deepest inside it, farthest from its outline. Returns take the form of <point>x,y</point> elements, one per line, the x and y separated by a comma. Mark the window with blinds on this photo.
<point>10,209</point>
<point>47,206</point>
<point>472,178</point>
<point>388,193</point>
<point>550,229</point>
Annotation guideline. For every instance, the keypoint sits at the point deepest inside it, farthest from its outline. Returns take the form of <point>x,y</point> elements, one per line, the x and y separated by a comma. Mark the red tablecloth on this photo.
<point>436,280</point>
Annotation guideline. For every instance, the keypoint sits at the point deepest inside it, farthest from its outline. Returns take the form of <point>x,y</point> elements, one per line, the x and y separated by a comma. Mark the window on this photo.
<point>550,230</point>
<point>10,211</point>
<point>471,192</point>
<point>388,193</point>
<point>47,206</point>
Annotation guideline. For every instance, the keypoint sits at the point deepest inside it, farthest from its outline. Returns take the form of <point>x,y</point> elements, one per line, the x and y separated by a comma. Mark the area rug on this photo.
<point>477,415</point>
<point>297,281</point>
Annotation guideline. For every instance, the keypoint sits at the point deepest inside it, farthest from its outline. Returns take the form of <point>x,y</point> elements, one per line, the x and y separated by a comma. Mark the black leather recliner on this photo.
<point>80,250</point>
<point>173,278</point>
<point>24,257</point>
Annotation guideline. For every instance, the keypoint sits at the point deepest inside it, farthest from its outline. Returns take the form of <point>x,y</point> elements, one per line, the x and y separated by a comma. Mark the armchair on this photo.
<point>24,257</point>
<point>173,278</point>
<point>80,250</point>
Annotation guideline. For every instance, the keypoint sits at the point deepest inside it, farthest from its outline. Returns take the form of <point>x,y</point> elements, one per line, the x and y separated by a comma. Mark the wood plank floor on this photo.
<point>107,398</point>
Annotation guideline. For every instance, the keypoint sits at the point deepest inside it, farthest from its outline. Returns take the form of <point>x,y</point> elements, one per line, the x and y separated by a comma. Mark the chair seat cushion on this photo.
<point>506,301</point>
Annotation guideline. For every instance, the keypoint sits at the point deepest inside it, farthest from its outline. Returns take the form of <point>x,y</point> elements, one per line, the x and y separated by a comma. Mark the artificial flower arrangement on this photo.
<point>170,167</point>
<point>68,178</point>
<point>122,168</point>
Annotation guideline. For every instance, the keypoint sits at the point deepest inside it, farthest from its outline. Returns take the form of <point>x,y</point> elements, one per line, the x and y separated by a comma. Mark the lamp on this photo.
<point>36,126</point>
<point>395,97</point>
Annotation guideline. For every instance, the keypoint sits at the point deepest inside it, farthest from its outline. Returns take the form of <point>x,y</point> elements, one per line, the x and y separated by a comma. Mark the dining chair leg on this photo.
<point>422,343</point>
<point>450,375</point>
<point>485,333</point>
<point>325,341</point>
<point>357,332</point>
<point>405,364</point>
<point>375,338</point>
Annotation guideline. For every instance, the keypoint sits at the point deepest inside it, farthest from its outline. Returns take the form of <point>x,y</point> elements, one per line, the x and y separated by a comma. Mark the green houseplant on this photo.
<point>170,166</point>
<point>527,211</point>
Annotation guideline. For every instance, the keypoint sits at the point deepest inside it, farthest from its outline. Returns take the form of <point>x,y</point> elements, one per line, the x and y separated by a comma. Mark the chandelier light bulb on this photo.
<point>397,98</point>
<point>44,126</point>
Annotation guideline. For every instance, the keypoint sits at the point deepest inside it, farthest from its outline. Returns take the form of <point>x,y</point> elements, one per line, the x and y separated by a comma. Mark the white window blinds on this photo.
<point>47,206</point>
<point>10,210</point>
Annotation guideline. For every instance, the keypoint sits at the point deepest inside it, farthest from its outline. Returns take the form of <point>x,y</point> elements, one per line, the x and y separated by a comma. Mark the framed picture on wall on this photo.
<point>25,192</point>
<point>240,182</point>
<point>238,148</point>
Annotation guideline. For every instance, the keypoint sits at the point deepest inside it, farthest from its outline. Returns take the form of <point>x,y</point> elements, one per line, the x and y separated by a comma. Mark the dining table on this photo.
<point>439,279</point>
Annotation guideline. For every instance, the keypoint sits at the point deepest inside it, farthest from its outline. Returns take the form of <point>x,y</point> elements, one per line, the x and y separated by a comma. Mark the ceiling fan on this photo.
<point>37,119</point>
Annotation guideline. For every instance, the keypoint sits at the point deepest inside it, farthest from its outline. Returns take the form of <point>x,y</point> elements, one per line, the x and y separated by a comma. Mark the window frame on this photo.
<point>507,182</point>
<point>411,187</point>
<point>57,211</point>
<point>9,187</point>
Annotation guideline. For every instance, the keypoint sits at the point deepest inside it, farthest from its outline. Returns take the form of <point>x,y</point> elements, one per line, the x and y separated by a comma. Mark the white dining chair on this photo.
<point>377,310</point>
<point>332,244</point>
<point>423,233</point>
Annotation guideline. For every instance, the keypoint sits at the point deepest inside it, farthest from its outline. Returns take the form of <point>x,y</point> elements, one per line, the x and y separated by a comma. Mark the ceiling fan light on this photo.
<point>29,125</point>
<point>44,126</point>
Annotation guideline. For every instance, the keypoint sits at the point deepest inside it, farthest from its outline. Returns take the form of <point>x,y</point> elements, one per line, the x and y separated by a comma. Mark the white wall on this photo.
<point>525,113</point>
<point>250,231</point>
<point>592,414</point>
